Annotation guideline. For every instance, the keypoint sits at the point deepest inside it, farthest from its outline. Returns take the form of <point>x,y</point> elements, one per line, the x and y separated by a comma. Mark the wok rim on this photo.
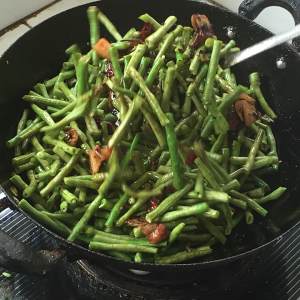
<point>148,266</point>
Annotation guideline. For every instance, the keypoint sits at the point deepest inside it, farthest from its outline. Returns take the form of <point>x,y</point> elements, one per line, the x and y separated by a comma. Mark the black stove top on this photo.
<point>276,276</point>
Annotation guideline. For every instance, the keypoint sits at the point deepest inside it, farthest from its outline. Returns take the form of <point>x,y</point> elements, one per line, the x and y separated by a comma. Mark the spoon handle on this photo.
<point>269,43</point>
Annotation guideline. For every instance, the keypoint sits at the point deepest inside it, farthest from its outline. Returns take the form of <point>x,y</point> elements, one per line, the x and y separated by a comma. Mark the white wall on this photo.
<point>13,10</point>
<point>274,18</point>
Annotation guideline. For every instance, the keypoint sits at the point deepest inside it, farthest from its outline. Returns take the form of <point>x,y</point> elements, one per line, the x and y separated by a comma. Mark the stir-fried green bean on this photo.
<point>140,148</point>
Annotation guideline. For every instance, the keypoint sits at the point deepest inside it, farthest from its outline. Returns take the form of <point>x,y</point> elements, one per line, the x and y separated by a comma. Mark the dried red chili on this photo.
<point>108,70</point>
<point>146,30</point>
<point>159,234</point>
<point>71,136</point>
<point>153,203</point>
<point>203,29</point>
<point>154,232</point>
<point>190,157</point>
<point>246,110</point>
<point>97,156</point>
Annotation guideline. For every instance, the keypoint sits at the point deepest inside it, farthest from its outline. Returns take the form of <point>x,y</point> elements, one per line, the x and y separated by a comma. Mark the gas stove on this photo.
<point>276,275</point>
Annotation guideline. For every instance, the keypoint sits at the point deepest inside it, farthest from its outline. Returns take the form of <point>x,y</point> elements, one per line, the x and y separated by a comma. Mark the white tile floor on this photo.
<point>11,36</point>
<point>13,10</point>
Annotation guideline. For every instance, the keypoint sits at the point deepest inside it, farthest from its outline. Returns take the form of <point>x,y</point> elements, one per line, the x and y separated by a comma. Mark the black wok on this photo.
<point>40,52</point>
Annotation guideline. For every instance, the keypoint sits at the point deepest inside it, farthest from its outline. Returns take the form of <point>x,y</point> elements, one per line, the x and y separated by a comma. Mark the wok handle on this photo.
<point>19,257</point>
<point>252,8</point>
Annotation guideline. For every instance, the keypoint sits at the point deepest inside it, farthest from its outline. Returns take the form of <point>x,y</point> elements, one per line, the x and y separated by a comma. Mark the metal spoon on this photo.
<point>269,43</point>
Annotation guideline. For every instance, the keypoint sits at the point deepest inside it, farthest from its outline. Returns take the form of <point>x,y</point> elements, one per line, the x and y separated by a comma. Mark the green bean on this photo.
<point>256,193</point>
<point>220,170</point>
<point>272,196</point>
<point>22,159</point>
<point>213,230</point>
<point>255,86</point>
<point>149,95</point>
<point>120,255</point>
<point>152,40</point>
<point>92,13</point>
<point>138,257</point>
<point>216,196</point>
<point>226,155</point>
<point>218,143</point>
<point>176,162</point>
<point>145,193</point>
<point>212,214</point>
<point>21,126</point>
<point>226,103</point>
<point>231,44</point>
<point>113,162</point>
<point>66,158</point>
<point>92,126</point>
<point>96,246</point>
<point>109,26</point>
<point>82,75</point>
<point>153,73</point>
<point>44,219</point>
<point>231,185</point>
<point>24,134</point>
<point>69,197</point>
<point>64,205</point>
<point>249,217</point>
<point>175,233</point>
<point>195,62</point>
<point>191,90</point>
<point>167,203</point>
<point>60,176</point>
<point>168,41</point>
<point>199,185</point>
<point>118,134</point>
<point>65,110</point>
<point>78,111</point>
<point>156,128</point>
<point>107,239</point>
<point>184,255</point>
<point>67,148</point>
<point>168,87</point>
<point>45,101</point>
<point>22,185</point>
<point>31,188</point>
<point>41,89</point>
<point>207,174</point>
<point>146,18</point>
<point>129,153</point>
<point>24,167</point>
<point>272,143</point>
<point>211,73</point>
<point>116,210</point>
<point>135,58</point>
<point>51,202</point>
<point>142,197</point>
<point>250,202</point>
<point>238,203</point>
<point>247,142</point>
<point>197,209</point>
<point>66,75</point>
<point>145,62</point>
<point>253,151</point>
<point>227,213</point>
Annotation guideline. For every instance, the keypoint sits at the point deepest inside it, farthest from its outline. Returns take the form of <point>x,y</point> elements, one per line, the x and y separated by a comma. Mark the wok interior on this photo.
<point>39,54</point>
